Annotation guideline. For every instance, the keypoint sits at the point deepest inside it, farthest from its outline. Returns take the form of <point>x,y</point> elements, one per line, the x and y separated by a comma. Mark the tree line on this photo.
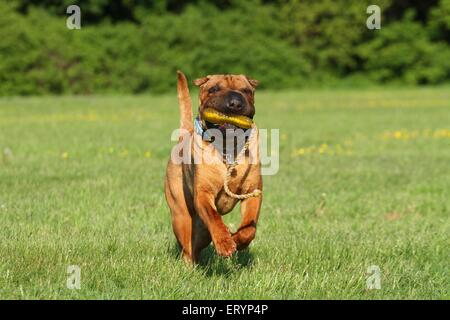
<point>135,46</point>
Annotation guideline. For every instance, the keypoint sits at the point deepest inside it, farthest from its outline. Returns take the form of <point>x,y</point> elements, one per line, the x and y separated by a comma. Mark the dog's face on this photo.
<point>228,94</point>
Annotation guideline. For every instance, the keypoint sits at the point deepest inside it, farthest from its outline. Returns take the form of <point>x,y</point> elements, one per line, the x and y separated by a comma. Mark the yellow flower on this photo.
<point>348,142</point>
<point>323,147</point>
<point>65,155</point>
<point>91,116</point>
<point>148,154</point>
<point>397,134</point>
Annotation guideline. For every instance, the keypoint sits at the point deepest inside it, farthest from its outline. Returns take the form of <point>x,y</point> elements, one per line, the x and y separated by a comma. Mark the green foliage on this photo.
<point>406,57</point>
<point>440,21</point>
<point>325,32</point>
<point>136,46</point>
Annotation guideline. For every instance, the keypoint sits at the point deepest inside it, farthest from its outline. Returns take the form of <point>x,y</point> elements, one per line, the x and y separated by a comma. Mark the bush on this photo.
<point>403,53</point>
<point>284,44</point>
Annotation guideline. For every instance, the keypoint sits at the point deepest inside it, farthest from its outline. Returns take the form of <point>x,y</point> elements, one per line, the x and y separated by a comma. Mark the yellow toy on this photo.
<point>216,117</point>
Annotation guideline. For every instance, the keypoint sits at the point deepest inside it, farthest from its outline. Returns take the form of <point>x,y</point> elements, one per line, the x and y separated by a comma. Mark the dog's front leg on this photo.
<point>247,230</point>
<point>221,237</point>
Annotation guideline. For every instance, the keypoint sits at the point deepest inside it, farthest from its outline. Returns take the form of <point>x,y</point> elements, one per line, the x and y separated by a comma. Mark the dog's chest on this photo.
<point>239,183</point>
<point>224,203</point>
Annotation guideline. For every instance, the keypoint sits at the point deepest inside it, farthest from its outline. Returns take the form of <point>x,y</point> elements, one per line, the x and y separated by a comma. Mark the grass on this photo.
<point>364,180</point>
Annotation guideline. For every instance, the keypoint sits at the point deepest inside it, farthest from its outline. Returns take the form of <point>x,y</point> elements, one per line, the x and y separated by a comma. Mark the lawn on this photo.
<point>364,181</point>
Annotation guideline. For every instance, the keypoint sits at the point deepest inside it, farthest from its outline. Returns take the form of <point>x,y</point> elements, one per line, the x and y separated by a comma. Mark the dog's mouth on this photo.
<point>214,119</point>
<point>221,127</point>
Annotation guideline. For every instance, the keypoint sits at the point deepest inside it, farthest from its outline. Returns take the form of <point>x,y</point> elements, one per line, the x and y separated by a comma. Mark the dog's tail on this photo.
<point>185,104</point>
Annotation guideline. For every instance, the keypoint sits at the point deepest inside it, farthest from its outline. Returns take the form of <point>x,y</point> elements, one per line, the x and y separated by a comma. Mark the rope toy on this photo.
<point>230,167</point>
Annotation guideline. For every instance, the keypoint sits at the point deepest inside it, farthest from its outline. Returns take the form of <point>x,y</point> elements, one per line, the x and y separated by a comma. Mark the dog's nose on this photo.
<point>235,102</point>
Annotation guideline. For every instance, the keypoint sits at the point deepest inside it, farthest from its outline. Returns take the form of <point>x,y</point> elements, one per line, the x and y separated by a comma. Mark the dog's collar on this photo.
<point>200,131</point>
<point>198,127</point>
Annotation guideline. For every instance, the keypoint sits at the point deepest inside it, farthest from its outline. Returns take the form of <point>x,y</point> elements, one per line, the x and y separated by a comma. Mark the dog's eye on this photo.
<point>214,89</point>
<point>247,91</point>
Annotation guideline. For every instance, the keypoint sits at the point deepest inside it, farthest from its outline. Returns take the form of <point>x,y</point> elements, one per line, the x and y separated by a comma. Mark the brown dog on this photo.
<point>194,189</point>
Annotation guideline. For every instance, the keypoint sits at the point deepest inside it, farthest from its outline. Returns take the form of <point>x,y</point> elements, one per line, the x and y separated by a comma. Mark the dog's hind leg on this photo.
<point>182,227</point>
<point>201,237</point>
<point>247,230</point>
<point>181,217</point>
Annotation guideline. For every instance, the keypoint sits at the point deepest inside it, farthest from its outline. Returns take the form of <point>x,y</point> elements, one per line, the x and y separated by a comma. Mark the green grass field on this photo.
<point>364,180</point>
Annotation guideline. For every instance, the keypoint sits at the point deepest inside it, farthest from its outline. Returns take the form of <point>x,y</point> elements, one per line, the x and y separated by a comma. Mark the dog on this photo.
<point>196,191</point>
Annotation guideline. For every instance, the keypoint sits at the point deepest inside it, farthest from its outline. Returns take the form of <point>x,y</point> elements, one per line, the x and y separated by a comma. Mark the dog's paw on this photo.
<point>243,237</point>
<point>225,246</point>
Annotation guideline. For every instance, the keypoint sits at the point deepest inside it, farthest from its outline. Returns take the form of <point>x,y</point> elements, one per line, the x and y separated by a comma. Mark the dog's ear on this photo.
<point>201,81</point>
<point>253,82</point>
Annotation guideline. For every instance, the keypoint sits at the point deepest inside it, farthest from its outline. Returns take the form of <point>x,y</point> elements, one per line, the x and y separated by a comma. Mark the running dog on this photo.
<point>198,192</point>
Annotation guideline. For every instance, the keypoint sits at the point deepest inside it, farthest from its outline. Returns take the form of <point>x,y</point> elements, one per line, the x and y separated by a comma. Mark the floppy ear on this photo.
<point>253,82</point>
<point>201,81</point>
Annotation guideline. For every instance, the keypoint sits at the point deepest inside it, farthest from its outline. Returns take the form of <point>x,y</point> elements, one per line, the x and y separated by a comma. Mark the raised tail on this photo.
<point>184,102</point>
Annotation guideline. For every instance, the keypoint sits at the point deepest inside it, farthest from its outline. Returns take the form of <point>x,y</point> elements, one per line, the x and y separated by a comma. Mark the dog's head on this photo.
<point>228,94</point>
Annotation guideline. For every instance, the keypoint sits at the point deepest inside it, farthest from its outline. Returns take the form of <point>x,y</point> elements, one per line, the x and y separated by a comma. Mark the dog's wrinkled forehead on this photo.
<point>230,81</point>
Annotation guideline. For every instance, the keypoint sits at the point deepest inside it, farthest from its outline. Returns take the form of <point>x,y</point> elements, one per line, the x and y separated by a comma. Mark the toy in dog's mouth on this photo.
<point>218,120</point>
